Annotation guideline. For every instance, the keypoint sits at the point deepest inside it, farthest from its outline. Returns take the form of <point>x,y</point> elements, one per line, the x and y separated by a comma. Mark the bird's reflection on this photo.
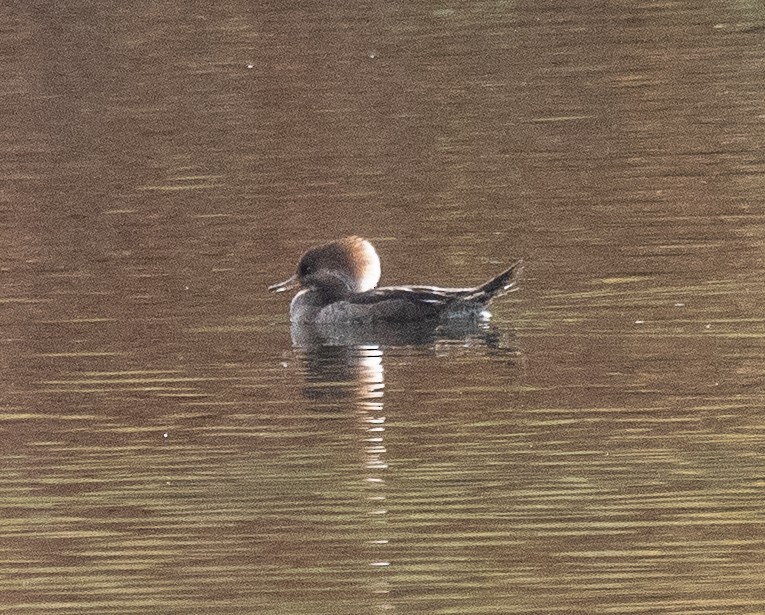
<point>418,333</point>
<point>356,372</point>
<point>346,363</point>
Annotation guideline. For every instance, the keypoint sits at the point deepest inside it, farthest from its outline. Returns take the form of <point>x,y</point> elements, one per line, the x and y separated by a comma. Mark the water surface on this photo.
<point>598,449</point>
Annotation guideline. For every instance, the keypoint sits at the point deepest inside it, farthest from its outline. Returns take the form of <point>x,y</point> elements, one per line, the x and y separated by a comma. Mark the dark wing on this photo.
<point>418,302</point>
<point>408,302</point>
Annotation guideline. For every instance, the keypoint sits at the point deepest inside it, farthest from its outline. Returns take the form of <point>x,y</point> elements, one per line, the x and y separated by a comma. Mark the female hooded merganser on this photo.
<point>339,280</point>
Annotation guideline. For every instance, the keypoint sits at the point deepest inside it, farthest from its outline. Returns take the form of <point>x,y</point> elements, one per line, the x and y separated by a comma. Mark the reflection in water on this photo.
<point>416,333</point>
<point>356,372</point>
<point>352,372</point>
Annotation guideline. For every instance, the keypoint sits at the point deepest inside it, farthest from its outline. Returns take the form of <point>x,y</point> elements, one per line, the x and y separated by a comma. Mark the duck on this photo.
<point>337,283</point>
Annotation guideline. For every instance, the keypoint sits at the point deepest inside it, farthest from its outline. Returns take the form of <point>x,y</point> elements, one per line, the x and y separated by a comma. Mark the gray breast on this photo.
<point>305,306</point>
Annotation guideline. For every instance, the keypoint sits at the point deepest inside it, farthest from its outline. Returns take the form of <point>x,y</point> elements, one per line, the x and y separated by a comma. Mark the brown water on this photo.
<point>165,449</point>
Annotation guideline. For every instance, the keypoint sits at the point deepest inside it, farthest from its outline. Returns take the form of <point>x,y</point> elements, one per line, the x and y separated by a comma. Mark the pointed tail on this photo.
<point>504,283</point>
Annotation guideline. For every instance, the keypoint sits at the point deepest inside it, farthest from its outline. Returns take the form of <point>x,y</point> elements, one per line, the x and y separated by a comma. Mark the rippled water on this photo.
<point>597,449</point>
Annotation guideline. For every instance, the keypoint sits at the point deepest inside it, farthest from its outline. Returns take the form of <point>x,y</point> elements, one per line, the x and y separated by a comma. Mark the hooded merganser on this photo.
<point>339,281</point>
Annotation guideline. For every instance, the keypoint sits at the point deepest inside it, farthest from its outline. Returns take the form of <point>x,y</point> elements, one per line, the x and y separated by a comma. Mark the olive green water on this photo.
<point>164,448</point>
